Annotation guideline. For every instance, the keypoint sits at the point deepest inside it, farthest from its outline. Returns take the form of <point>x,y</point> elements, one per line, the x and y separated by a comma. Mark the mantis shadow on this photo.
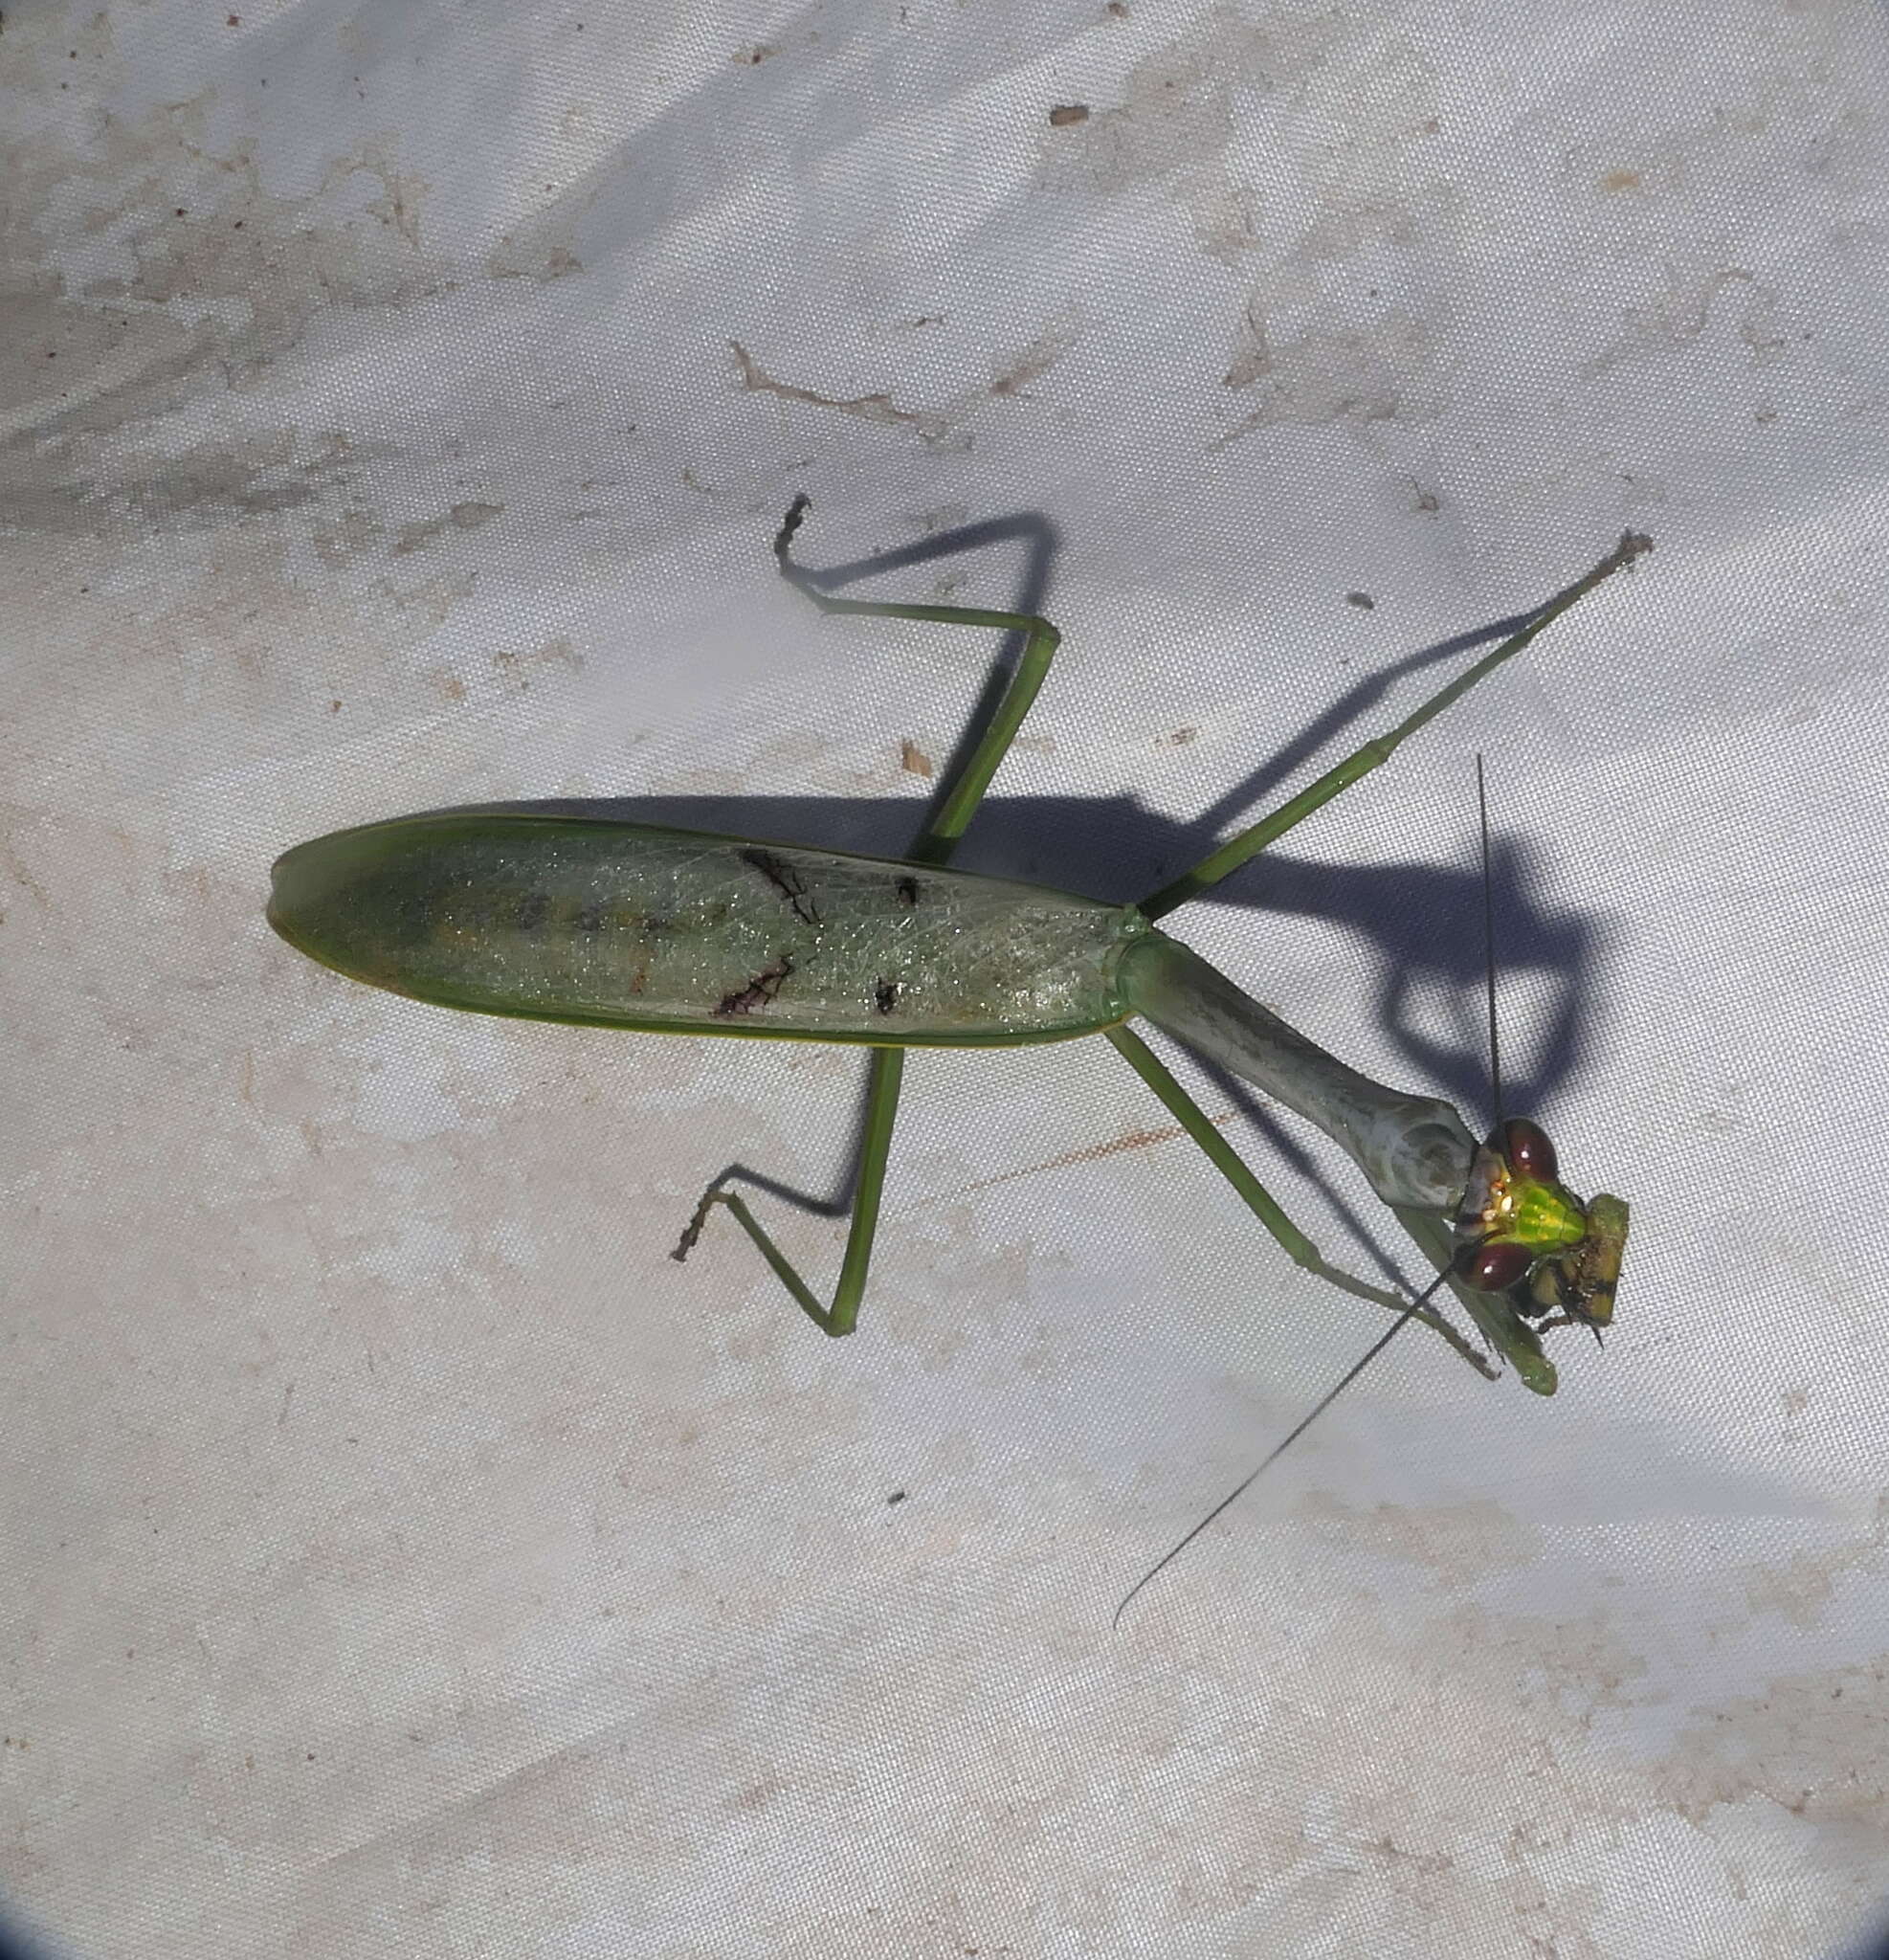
<point>1423,919</point>
<point>1873,1944</point>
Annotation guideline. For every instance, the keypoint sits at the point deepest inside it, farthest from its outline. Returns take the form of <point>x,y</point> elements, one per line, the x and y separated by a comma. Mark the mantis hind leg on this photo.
<point>951,815</point>
<point>842,1315</point>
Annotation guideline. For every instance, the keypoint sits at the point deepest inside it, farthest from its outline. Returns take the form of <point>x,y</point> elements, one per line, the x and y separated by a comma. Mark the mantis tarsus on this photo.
<point>589,919</point>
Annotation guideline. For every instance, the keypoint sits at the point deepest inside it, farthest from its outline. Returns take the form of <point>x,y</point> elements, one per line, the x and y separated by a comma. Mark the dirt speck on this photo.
<point>514,668</point>
<point>532,256</point>
<point>1363,601</point>
<point>1621,180</point>
<point>461,517</point>
<point>1388,370</point>
<point>1030,365</point>
<point>913,759</point>
<point>1798,1590</point>
<point>867,408</point>
<point>935,427</point>
<point>1066,112</point>
<point>353,532</point>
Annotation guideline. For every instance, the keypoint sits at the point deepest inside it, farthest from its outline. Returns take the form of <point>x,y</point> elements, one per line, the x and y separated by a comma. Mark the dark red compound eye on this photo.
<point>1496,1268</point>
<point>1528,1150</point>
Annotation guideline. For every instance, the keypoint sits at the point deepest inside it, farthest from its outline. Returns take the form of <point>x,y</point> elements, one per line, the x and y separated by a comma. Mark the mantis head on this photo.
<point>1521,1232</point>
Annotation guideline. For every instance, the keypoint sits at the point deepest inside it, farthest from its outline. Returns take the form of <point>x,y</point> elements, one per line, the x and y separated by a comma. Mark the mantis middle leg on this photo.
<point>950,816</point>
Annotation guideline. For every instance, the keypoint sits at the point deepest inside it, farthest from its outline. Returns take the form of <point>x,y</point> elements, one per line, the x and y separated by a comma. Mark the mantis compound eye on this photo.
<point>1496,1268</point>
<point>1528,1150</point>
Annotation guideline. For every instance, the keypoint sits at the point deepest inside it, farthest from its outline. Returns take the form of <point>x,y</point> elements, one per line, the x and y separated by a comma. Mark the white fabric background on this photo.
<point>401,1554</point>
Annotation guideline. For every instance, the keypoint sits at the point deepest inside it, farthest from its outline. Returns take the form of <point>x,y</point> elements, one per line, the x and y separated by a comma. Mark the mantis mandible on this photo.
<point>593,919</point>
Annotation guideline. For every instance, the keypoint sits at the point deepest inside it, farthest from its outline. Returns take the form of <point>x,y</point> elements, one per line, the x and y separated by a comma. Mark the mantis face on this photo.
<point>1522,1232</point>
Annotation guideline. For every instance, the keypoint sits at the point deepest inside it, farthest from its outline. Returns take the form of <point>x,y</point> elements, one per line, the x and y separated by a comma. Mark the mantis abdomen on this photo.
<point>589,919</point>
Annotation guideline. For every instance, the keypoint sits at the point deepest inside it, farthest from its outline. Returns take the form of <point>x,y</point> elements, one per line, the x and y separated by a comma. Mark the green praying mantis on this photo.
<point>593,919</point>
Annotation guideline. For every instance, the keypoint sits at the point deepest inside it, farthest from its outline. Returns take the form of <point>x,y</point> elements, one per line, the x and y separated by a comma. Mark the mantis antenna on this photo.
<point>1422,1300</point>
<point>1489,947</point>
<point>1278,1449</point>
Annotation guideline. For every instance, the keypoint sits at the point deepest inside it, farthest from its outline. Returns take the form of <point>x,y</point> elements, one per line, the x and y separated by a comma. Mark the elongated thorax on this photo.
<point>585,919</point>
<point>1413,1149</point>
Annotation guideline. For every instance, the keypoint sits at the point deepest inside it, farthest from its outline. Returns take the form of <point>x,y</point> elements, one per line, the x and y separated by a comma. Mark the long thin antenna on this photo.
<point>1489,946</point>
<point>1298,1429</point>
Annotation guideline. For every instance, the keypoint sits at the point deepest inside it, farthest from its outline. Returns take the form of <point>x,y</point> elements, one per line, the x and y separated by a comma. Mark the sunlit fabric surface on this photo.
<point>403,1553</point>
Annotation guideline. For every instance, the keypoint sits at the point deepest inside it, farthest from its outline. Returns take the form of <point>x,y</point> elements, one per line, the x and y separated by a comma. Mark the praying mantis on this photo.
<point>593,919</point>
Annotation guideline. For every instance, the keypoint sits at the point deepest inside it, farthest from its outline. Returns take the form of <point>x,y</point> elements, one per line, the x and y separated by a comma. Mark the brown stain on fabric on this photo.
<point>1089,1153</point>
<point>1010,376</point>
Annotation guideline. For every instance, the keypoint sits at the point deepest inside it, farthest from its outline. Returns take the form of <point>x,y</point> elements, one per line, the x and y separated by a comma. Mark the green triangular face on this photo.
<point>1575,1248</point>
